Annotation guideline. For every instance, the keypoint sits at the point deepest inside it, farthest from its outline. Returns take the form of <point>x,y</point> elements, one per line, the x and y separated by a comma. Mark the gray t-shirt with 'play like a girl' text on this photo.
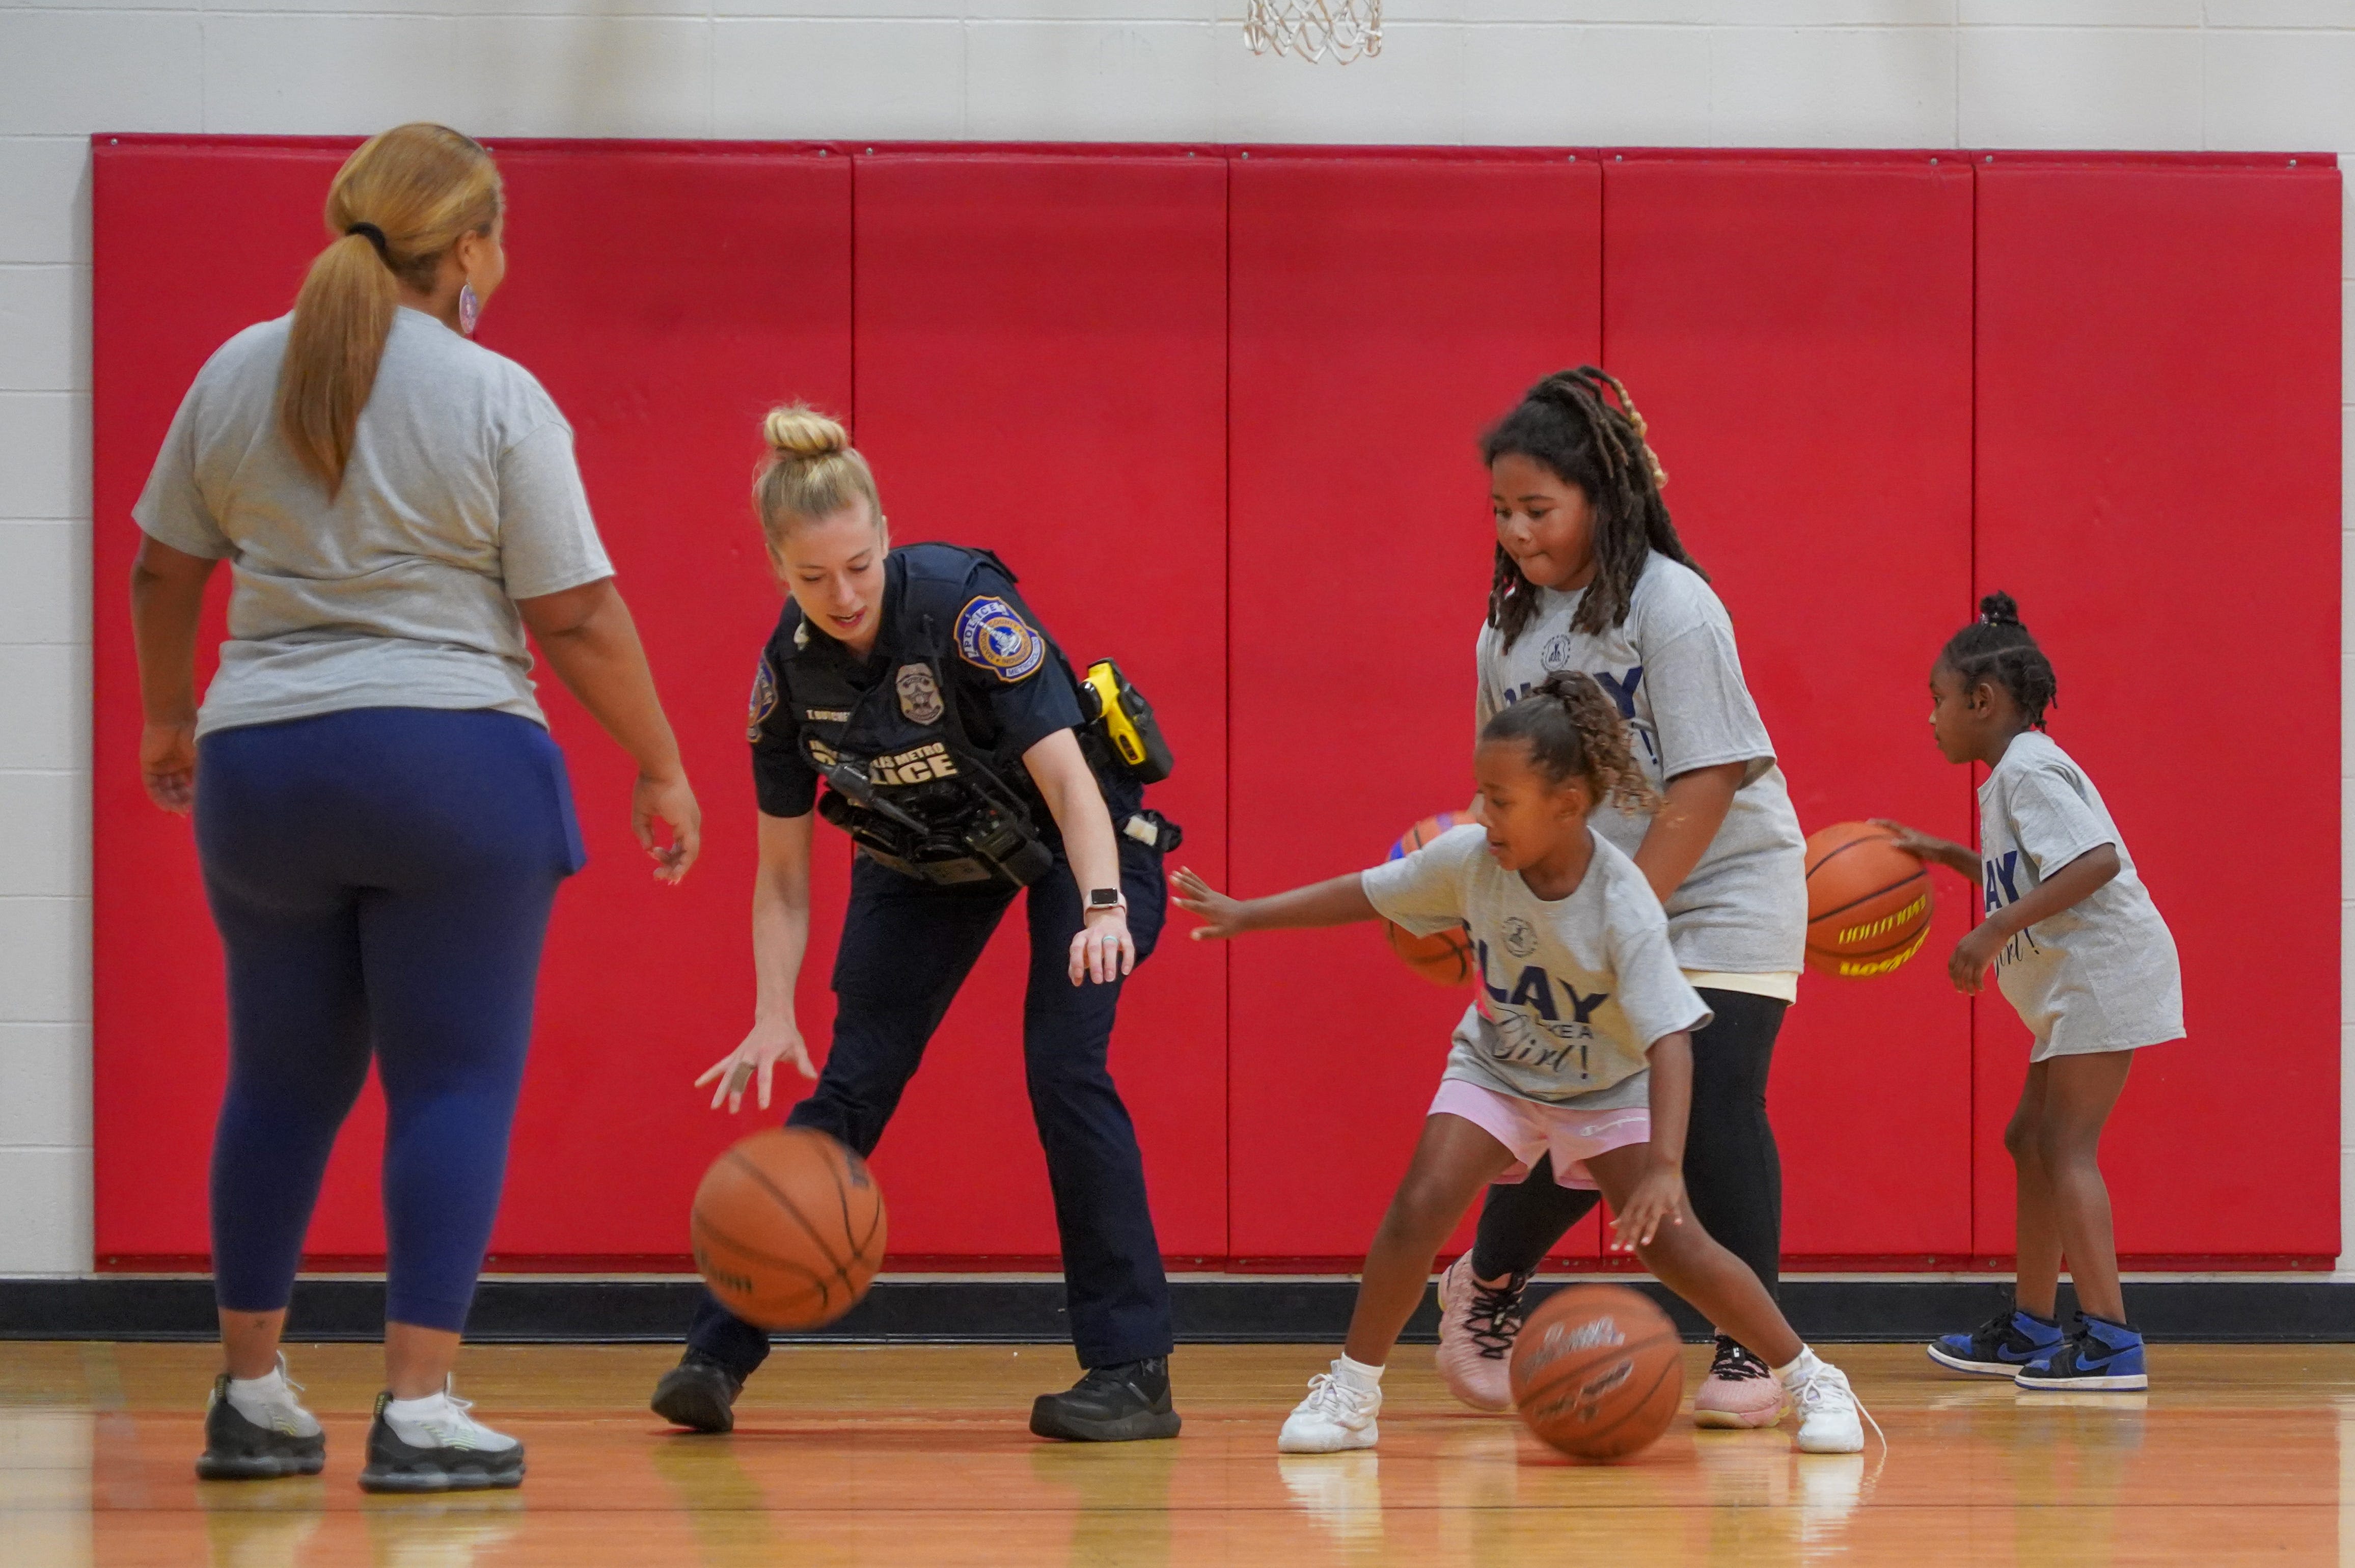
<point>1573,992</point>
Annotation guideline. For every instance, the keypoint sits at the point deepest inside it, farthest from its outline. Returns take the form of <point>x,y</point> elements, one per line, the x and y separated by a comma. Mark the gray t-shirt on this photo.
<point>1573,992</point>
<point>461,498</point>
<point>1672,668</point>
<point>2102,974</point>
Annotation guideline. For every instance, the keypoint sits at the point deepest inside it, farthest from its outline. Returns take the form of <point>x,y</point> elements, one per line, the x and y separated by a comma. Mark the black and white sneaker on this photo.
<point>256,1430</point>
<point>698,1394</point>
<point>431,1444</point>
<point>1111,1404</point>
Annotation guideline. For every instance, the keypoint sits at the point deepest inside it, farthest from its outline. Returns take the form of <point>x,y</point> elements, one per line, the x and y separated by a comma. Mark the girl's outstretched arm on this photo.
<point>1337,903</point>
<point>1959,858</point>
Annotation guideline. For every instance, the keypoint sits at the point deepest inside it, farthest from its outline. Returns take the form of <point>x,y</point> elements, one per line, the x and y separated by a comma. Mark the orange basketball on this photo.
<point>1598,1371</point>
<point>1868,903</point>
<point>1445,959</point>
<point>788,1228</point>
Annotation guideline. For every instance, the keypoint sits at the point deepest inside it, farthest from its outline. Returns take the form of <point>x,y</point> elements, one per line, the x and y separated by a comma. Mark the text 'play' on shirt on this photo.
<point>1572,992</point>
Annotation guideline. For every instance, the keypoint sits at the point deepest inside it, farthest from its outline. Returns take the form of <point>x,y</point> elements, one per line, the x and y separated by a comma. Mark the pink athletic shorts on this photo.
<point>1530,1128</point>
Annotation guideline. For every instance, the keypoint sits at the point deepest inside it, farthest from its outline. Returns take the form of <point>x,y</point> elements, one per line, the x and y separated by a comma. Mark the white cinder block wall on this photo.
<point>2222,74</point>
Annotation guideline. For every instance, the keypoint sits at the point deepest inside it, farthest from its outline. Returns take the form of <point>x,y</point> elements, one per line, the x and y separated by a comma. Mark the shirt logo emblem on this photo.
<point>764,701</point>
<point>1556,655</point>
<point>1520,938</point>
<point>990,636</point>
<point>920,694</point>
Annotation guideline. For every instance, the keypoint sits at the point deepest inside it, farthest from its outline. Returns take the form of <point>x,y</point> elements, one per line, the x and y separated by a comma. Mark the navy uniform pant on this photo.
<point>907,947</point>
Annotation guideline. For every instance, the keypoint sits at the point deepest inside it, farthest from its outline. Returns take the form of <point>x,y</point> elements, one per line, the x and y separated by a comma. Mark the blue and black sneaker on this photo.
<point>2103,1356</point>
<point>1999,1347</point>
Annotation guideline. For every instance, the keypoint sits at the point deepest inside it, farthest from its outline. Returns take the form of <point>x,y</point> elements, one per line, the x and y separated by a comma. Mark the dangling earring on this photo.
<point>470,309</point>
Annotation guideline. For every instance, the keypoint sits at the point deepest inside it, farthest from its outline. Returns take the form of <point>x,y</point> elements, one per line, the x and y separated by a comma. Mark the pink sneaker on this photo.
<point>1477,1324</point>
<point>1739,1391</point>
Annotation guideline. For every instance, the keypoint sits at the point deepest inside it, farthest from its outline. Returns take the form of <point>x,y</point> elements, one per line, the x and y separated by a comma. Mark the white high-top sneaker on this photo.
<point>431,1444</point>
<point>1333,1419</point>
<point>1831,1419</point>
<point>1478,1324</point>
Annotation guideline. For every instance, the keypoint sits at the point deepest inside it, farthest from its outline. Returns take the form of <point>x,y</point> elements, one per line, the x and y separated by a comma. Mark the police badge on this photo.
<point>920,694</point>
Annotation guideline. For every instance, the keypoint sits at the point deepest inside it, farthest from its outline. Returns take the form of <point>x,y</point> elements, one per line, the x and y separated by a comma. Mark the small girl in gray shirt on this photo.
<point>2080,950</point>
<point>1579,1047</point>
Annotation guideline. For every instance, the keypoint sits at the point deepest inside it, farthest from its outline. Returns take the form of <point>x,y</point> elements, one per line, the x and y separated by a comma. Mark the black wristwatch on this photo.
<point>1106,898</point>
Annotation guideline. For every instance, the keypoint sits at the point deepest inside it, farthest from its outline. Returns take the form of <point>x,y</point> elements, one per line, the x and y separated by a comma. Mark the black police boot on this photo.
<point>236,1449</point>
<point>1111,1404</point>
<point>698,1394</point>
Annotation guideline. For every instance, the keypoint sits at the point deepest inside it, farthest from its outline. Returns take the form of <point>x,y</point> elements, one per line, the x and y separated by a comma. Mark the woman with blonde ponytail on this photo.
<point>380,815</point>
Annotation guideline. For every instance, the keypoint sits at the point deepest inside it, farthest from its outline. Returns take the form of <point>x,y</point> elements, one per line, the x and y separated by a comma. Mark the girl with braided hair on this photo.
<point>1591,576</point>
<point>1578,1050</point>
<point>2080,950</point>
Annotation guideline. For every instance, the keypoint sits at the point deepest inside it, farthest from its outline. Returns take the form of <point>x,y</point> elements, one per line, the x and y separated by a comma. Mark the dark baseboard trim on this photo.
<point>1209,1310</point>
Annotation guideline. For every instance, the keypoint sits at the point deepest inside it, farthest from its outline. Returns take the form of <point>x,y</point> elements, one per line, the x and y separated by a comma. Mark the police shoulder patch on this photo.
<point>991,635</point>
<point>764,699</point>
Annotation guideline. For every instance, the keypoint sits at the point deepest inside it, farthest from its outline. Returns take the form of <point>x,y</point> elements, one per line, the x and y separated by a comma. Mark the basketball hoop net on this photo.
<point>1346,29</point>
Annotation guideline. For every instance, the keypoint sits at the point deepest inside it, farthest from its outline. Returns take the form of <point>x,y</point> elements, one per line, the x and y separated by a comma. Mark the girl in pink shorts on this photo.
<point>1580,1044</point>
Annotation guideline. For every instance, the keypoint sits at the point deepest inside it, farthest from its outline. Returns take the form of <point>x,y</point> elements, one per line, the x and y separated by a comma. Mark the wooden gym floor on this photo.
<point>917,1455</point>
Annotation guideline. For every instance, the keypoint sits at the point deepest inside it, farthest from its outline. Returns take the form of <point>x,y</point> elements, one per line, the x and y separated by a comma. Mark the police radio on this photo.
<point>1120,715</point>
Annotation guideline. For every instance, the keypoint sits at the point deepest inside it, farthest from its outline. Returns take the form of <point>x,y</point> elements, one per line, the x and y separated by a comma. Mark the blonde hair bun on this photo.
<point>801,432</point>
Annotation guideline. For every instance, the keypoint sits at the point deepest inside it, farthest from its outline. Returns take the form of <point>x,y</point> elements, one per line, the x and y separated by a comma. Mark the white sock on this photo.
<point>1803,1363</point>
<point>1357,1375</point>
<point>414,1409</point>
<point>257,1396</point>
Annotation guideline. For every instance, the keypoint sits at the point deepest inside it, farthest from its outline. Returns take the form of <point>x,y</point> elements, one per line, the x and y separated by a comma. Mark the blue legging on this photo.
<point>382,878</point>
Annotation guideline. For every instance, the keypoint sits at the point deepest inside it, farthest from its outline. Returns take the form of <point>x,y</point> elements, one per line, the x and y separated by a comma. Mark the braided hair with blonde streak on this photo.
<point>1582,425</point>
<point>1574,732</point>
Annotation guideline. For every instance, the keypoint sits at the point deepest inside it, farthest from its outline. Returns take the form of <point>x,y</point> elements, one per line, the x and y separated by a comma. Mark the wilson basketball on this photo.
<point>1445,959</point>
<point>1598,1371</point>
<point>788,1228</point>
<point>1868,903</point>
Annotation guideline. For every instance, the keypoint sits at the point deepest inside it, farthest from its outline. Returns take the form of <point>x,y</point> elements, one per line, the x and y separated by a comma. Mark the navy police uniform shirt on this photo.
<point>957,645</point>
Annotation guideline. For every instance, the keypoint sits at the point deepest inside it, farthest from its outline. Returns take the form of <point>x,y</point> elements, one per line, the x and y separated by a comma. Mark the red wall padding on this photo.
<point>1379,323</point>
<point>1042,370</point>
<point>1798,336</point>
<point>158,312</point>
<point>1219,412</point>
<point>2159,486</point>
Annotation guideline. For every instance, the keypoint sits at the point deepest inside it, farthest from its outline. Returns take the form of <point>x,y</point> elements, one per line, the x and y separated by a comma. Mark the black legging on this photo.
<point>1732,1172</point>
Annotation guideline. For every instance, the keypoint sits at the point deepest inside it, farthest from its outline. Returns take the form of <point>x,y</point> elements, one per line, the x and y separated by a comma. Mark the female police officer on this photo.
<point>919,688</point>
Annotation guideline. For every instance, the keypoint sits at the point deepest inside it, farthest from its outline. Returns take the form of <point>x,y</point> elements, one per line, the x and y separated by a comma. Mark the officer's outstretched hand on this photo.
<point>1102,951</point>
<point>770,1041</point>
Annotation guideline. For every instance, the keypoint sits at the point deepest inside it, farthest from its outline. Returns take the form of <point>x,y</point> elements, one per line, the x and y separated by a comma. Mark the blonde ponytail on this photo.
<point>810,470</point>
<point>396,207</point>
